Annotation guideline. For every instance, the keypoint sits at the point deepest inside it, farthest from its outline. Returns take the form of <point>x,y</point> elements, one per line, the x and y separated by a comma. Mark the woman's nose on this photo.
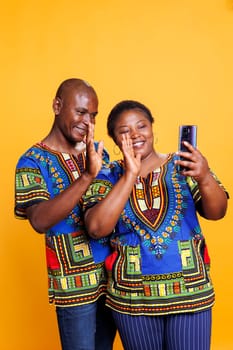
<point>133,133</point>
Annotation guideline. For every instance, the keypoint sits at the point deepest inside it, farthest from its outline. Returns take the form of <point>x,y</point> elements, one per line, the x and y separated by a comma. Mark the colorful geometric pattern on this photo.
<point>150,211</point>
<point>183,291</point>
<point>31,188</point>
<point>160,263</point>
<point>194,271</point>
<point>127,270</point>
<point>75,263</point>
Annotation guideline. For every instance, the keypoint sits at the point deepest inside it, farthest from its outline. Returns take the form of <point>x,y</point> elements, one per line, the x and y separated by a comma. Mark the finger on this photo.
<point>129,144</point>
<point>189,146</point>
<point>100,148</point>
<point>185,155</point>
<point>188,165</point>
<point>126,140</point>
<point>90,132</point>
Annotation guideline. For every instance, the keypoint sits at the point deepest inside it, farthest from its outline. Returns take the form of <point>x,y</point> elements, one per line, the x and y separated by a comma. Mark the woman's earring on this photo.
<point>155,139</point>
<point>116,150</point>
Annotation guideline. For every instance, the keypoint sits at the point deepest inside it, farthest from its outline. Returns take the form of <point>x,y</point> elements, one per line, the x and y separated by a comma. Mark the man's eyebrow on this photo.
<point>83,109</point>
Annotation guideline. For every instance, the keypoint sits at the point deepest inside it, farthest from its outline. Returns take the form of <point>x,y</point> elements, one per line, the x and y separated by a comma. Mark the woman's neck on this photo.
<point>152,162</point>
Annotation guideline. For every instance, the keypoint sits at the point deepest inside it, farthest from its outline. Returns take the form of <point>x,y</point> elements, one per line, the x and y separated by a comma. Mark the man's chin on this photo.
<point>80,146</point>
<point>79,138</point>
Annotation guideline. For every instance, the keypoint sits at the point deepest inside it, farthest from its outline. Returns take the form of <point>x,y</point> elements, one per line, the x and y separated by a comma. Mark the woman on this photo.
<point>159,287</point>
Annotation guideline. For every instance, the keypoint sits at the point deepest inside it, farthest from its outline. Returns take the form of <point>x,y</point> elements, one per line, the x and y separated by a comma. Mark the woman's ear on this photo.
<point>57,104</point>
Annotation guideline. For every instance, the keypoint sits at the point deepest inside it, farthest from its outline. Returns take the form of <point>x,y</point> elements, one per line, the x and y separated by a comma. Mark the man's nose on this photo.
<point>87,118</point>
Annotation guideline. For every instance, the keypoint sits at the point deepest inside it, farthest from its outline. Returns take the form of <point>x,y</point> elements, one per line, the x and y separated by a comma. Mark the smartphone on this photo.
<point>187,133</point>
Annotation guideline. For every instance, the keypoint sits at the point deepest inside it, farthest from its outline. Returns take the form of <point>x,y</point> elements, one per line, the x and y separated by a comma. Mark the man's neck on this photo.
<point>60,144</point>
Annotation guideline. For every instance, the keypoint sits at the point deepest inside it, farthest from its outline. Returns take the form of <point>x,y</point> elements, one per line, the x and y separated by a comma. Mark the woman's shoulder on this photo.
<point>111,171</point>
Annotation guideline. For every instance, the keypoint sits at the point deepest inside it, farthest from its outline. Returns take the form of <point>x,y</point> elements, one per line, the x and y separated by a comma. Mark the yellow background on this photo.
<point>176,56</point>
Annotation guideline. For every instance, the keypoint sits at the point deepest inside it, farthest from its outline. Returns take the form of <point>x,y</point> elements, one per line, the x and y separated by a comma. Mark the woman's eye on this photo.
<point>124,131</point>
<point>141,126</point>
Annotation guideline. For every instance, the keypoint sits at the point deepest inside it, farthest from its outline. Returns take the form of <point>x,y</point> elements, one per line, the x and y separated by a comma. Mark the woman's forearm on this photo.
<point>213,199</point>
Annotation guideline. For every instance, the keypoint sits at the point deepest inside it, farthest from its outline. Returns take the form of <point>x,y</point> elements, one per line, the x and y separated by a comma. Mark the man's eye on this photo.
<point>81,112</point>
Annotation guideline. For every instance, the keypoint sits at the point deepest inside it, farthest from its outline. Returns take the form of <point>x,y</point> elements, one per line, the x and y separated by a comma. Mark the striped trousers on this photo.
<point>188,331</point>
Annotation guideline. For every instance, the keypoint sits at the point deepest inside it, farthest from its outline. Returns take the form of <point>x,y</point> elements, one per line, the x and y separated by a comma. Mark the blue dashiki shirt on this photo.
<point>75,263</point>
<point>160,262</point>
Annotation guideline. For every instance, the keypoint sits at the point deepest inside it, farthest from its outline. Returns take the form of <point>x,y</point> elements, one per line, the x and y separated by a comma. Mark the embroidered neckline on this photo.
<point>157,233</point>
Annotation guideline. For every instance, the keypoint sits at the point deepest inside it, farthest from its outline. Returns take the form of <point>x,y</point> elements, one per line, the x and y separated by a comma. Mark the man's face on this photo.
<point>74,111</point>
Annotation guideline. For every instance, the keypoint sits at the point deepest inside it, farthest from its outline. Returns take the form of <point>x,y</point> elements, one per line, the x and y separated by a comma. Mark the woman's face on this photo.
<point>134,123</point>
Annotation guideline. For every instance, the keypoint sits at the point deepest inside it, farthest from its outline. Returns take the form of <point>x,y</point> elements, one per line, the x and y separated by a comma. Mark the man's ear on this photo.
<point>57,104</point>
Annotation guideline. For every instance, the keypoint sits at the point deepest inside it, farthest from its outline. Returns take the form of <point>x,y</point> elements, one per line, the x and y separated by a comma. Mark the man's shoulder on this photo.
<point>32,154</point>
<point>35,147</point>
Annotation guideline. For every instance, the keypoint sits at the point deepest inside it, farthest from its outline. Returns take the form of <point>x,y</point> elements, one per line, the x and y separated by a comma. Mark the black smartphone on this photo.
<point>187,133</point>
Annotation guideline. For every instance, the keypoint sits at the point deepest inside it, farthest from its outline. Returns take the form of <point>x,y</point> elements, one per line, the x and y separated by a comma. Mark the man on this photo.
<point>51,178</point>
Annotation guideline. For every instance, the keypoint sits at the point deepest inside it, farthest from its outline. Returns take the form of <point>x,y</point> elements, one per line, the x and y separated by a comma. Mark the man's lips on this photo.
<point>80,130</point>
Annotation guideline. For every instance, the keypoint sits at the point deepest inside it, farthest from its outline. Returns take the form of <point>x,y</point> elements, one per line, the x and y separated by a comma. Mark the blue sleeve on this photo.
<point>30,186</point>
